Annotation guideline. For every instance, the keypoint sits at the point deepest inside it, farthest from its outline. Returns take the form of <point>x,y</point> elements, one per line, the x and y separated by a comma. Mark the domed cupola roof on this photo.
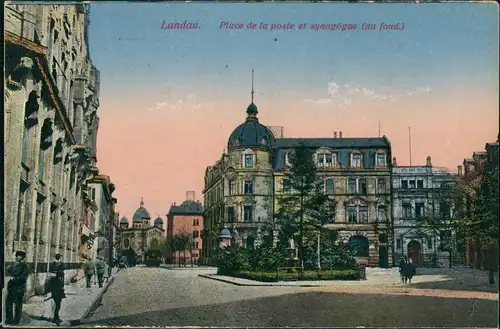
<point>141,213</point>
<point>124,220</point>
<point>251,133</point>
<point>158,221</point>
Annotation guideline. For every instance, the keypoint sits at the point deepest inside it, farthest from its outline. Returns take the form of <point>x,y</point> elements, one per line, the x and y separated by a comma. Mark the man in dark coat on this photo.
<point>16,288</point>
<point>402,263</point>
<point>57,266</point>
<point>56,287</point>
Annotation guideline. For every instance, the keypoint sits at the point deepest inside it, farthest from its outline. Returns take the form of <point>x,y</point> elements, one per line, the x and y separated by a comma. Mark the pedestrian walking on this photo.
<point>409,271</point>
<point>16,288</point>
<point>89,270</point>
<point>101,270</point>
<point>402,263</point>
<point>57,265</point>
<point>107,271</point>
<point>56,287</point>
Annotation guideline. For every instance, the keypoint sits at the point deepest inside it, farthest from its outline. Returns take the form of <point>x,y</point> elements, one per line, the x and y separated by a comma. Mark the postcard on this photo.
<point>251,164</point>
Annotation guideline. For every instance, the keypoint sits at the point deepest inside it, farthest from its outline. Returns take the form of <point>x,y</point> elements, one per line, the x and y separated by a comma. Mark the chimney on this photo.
<point>340,134</point>
<point>190,195</point>
<point>394,162</point>
<point>334,134</point>
<point>429,163</point>
<point>459,171</point>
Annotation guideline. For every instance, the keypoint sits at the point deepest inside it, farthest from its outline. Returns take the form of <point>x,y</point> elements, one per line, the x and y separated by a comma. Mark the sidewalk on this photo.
<point>78,303</point>
<point>458,279</point>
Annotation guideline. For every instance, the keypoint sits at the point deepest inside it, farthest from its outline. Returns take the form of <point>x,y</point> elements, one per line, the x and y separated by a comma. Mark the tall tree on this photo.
<point>304,207</point>
<point>484,224</point>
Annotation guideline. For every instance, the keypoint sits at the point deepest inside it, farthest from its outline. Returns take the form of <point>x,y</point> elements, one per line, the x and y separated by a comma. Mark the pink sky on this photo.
<point>162,153</point>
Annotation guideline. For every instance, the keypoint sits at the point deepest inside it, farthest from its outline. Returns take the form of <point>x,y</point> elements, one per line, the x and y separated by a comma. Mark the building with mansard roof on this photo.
<point>143,234</point>
<point>242,189</point>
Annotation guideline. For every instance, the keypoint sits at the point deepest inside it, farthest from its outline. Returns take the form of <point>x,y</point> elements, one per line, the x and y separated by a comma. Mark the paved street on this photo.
<point>161,297</point>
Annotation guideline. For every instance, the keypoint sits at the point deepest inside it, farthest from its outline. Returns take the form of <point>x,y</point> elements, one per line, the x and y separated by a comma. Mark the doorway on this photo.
<point>414,252</point>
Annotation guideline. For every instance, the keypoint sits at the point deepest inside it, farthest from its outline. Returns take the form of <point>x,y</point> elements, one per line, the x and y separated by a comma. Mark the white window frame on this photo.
<point>333,186</point>
<point>324,152</point>
<point>384,165</point>
<point>385,186</point>
<point>357,204</point>
<point>353,153</point>
<point>246,153</point>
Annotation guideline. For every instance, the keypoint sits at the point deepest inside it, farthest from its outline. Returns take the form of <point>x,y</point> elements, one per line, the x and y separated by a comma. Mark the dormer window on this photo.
<point>356,160</point>
<point>325,158</point>
<point>263,141</point>
<point>287,159</point>
<point>380,160</point>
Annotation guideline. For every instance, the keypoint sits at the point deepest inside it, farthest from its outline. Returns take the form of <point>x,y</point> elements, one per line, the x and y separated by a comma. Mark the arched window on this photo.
<point>126,242</point>
<point>329,187</point>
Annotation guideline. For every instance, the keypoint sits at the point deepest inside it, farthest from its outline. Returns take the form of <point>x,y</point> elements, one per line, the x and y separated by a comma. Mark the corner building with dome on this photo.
<point>242,189</point>
<point>143,234</point>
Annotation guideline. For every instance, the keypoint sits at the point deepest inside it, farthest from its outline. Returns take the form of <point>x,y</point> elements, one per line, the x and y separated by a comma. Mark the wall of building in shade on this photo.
<point>51,123</point>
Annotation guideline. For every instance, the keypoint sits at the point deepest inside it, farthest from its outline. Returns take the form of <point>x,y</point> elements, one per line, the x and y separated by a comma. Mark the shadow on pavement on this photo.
<point>454,279</point>
<point>323,309</point>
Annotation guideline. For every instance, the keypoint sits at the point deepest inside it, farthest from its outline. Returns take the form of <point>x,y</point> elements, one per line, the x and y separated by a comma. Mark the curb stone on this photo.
<point>207,276</point>
<point>95,303</point>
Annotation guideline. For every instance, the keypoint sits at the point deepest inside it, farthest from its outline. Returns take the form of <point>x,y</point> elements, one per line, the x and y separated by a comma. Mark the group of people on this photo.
<point>406,269</point>
<point>98,268</point>
<point>19,272</point>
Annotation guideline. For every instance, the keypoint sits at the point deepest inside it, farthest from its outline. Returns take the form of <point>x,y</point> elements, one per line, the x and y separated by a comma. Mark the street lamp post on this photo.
<point>319,250</point>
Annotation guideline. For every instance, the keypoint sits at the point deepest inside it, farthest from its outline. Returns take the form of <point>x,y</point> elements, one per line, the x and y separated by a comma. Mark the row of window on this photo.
<point>354,186</point>
<point>408,211</point>
<point>325,160</point>
<point>405,184</point>
<point>354,214</point>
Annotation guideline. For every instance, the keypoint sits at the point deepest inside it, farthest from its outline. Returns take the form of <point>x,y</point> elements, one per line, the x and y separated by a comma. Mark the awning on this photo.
<point>86,231</point>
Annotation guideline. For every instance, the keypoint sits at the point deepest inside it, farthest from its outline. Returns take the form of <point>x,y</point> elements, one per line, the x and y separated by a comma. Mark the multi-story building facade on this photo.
<point>101,190</point>
<point>422,195</point>
<point>50,124</point>
<point>186,219</point>
<point>243,188</point>
<point>142,236</point>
